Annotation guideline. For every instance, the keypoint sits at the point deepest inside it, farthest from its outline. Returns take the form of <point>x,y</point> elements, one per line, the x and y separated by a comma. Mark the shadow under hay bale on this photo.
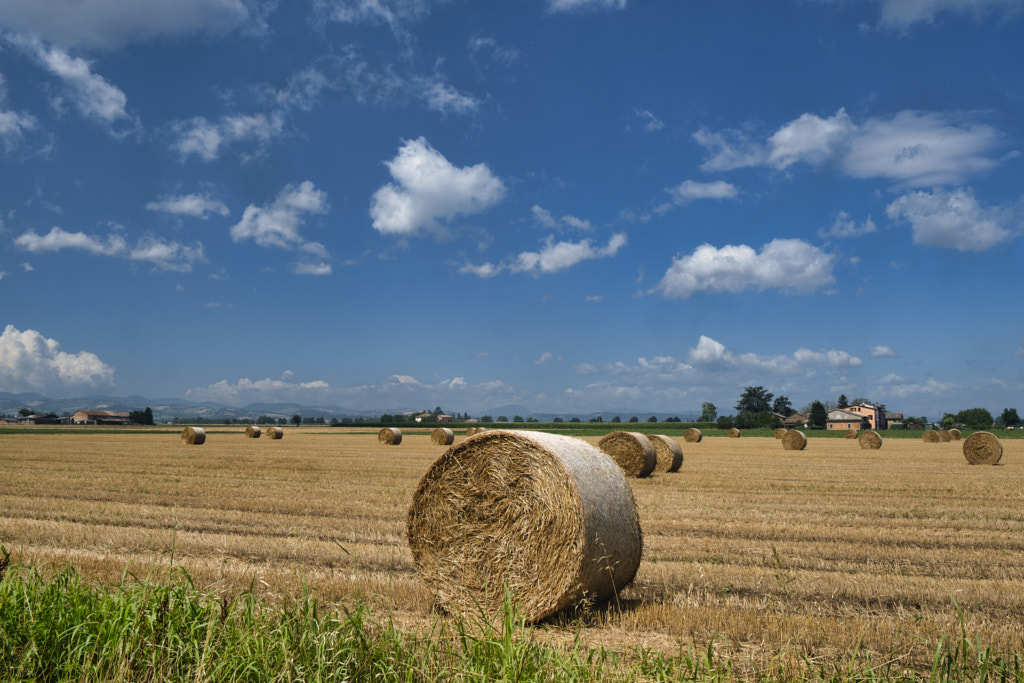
<point>548,518</point>
<point>442,436</point>
<point>794,440</point>
<point>632,451</point>
<point>253,432</point>
<point>983,448</point>
<point>667,453</point>
<point>930,436</point>
<point>692,435</point>
<point>780,432</point>
<point>734,433</point>
<point>193,436</point>
<point>275,433</point>
<point>850,434</point>
<point>870,440</point>
<point>389,436</point>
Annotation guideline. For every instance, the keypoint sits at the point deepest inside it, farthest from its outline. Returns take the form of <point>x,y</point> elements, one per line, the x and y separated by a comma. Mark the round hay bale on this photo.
<point>442,436</point>
<point>983,448</point>
<point>870,440</point>
<point>850,434</point>
<point>954,434</point>
<point>470,431</point>
<point>692,435</point>
<point>930,436</point>
<point>253,432</point>
<point>794,440</point>
<point>667,452</point>
<point>390,436</point>
<point>734,433</point>
<point>193,436</point>
<point>547,518</point>
<point>780,432</point>
<point>275,433</point>
<point>632,451</point>
<point>944,436</point>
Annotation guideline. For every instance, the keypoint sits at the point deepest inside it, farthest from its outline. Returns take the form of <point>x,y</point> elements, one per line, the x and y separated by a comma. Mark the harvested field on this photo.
<point>772,555</point>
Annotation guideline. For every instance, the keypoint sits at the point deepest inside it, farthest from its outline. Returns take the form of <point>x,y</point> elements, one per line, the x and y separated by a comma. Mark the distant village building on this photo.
<point>873,414</point>
<point>100,417</point>
<point>445,418</point>
<point>795,421</point>
<point>39,419</point>
<point>843,419</point>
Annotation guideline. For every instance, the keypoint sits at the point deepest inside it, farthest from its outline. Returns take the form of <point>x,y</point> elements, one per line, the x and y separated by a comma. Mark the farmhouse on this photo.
<point>844,419</point>
<point>795,421</point>
<point>39,419</point>
<point>874,416</point>
<point>100,417</point>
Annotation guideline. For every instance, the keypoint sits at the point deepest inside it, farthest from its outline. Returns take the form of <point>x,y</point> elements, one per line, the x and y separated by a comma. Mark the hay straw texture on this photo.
<point>794,440</point>
<point>193,436</point>
<point>274,433</point>
<point>983,448</point>
<point>930,436</point>
<point>442,436</point>
<point>253,432</point>
<point>549,518</point>
<point>944,436</point>
<point>390,436</point>
<point>632,451</point>
<point>954,434</point>
<point>667,452</point>
<point>692,435</point>
<point>850,434</point>
<point>734,433</point>
<point>870,440</point>
<point>780,432</point>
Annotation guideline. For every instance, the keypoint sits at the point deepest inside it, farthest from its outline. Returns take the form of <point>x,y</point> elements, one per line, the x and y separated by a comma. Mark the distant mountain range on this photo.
<point>166,409</point>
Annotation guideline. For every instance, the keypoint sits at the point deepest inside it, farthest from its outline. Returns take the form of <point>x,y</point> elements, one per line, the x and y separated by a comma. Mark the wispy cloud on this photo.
<point>278,225</point>
<point>953,220</point>
<point>584,5</point>
<point>195,205</point>
<point>162,254</point>
<point>552,258</point>
<point>844,227</point>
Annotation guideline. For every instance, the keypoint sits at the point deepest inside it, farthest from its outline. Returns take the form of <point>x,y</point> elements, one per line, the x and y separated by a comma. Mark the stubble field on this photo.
<point>772,558</point>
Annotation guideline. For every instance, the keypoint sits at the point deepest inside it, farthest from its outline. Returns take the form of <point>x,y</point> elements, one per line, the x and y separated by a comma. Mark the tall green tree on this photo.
<point>708,412</point>
<point>819,415</point>
<point>975,418</point>
<point>842,402</point>
<point>754,400</point>
<point>1010,417</point>
<point>296,419</point>
<point>783,406</point>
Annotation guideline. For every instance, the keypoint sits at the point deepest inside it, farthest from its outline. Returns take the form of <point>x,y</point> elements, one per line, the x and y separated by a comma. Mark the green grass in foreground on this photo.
<point>54,627</point>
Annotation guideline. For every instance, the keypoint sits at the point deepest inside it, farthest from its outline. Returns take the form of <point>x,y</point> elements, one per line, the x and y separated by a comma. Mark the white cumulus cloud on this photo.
<point>206,139</point>
<point>278,224</point>
<point>953,220</point>
<point>845,227</point>
<point>31,362</point>
<point>556,256</point>
<point>882,351</point>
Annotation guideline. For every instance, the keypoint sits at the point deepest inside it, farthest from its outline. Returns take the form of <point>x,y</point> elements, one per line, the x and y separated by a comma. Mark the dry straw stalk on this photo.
<point>442,436</point>
<point>632,451</point>
<point>870,440</point>
<point>193,436</point>
<point>692,435</point>
<point>548,518</point>
<point>983,448</point>
<point>253,432</point>
<point>667,452</point>
<point>794,440</point>
<point>390,436</point>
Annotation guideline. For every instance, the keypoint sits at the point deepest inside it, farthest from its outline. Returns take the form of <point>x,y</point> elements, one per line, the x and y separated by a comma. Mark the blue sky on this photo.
<point>571,205</point>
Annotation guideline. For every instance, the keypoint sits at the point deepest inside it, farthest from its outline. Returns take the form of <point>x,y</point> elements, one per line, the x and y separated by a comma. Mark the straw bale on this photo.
<point>794,440</point>
<point>193,436</point>
<point>954,434</point>
<point>930,436</point>
<point>667,452</point>
<point>632,451</point>
<point>275,433</point>
<point>734,433</point>
<point>692,435</point>
<point>548,518</point>
<point>253,432</point>
<point>780,432</point>
<point>850,434</point>
<point>944,436</point>
<point>442,436</point>
<point>870,440</point>
<point>983,448</point>
<point>390,436</point>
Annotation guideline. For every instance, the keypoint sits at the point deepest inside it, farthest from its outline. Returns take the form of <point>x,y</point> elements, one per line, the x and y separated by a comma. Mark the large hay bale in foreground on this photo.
<point>632,451</point>
<point>794,440</point>
<point>780,432</point>
<point>734,433</point>
<point>193,436</point>
<point>253,432</point>
<point>548,518</point>
<point>442,436</point>
<point>275,433</point>
<point>983,448</point>
<point>954,434</point>
<point>930,436</point>
<point>870,440</point>
<point>692,435</point>
<point>389,436</point>
<point>850,434</point>
<point>944,436</point>
<point>667,453</point>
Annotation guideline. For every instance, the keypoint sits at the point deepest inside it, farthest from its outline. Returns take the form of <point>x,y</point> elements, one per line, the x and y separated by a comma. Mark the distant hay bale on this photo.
<point>442,436</point>
<point>390,436</point>
<point>870,440</point>
<point>734,433</point>
<point>780,432</point>
<point>954,434</point>
<point>546,519</point>
<point>930,436</point>
<point>983,448</point>
<point>667,453</point>
<point>275,433</point>
<point>794,440</point>
<point>944,436</point>
<point>632,451</point>
<point>253,432</point>
<point>193,436</point>
<point>470,431</point>
<point>692,435</point>
<point>850,434</point>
